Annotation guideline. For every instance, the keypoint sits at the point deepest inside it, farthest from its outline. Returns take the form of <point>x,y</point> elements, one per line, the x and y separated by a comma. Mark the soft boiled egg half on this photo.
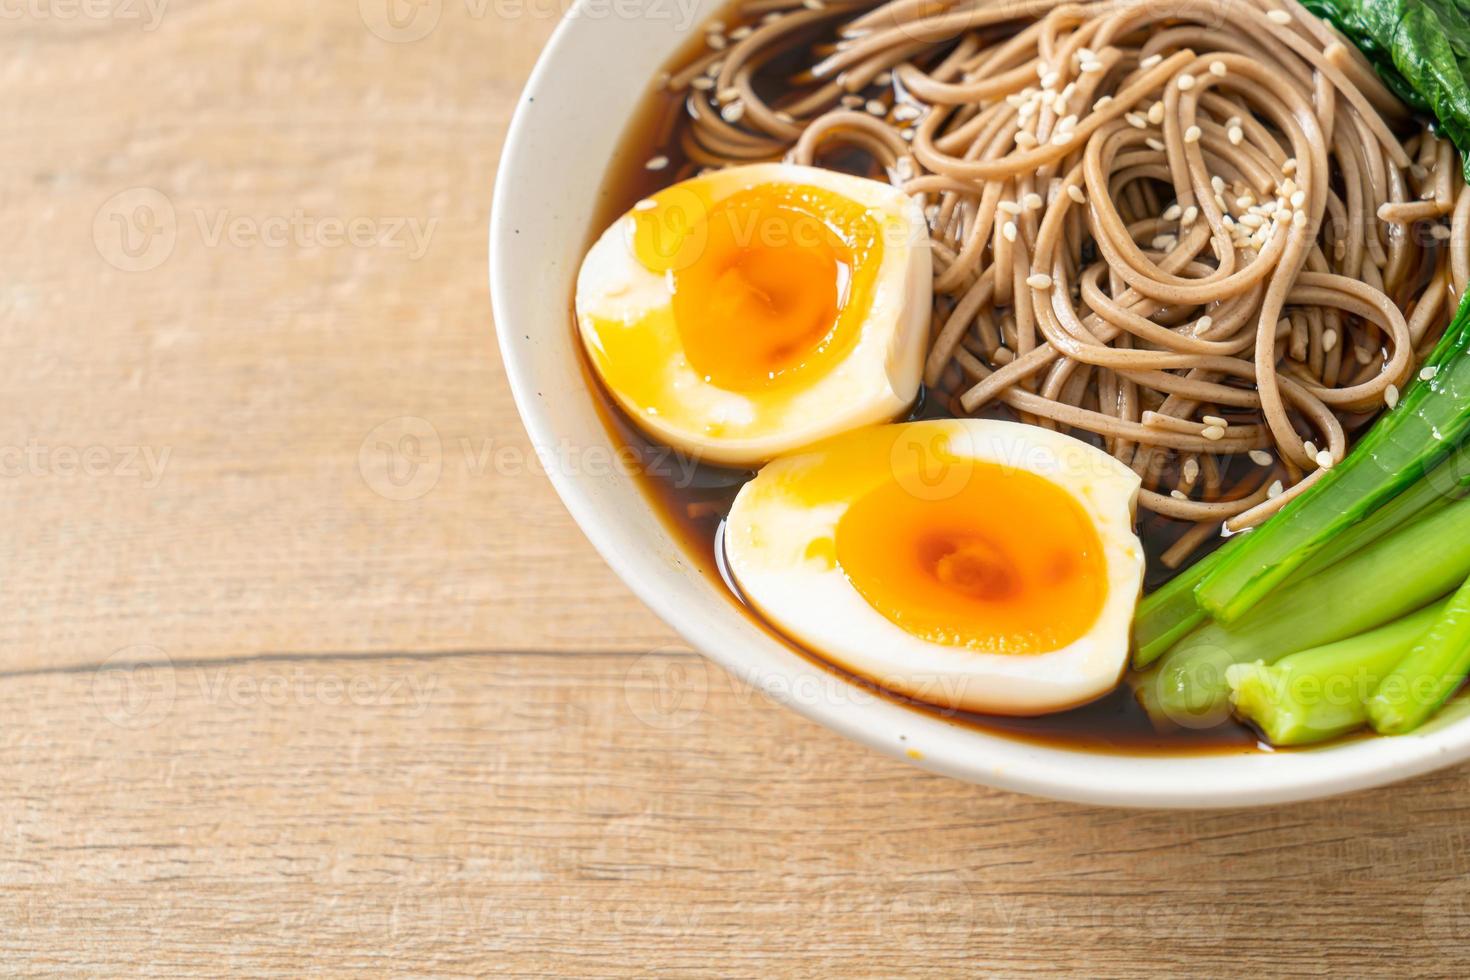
<point>973,564</point>
<point>755,310</point>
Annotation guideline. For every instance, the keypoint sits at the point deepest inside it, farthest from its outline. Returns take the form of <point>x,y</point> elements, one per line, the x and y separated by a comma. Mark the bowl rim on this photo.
<point>1198,781</point>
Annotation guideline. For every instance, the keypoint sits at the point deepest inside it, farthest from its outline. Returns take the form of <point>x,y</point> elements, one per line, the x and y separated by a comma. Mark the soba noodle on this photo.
<point>1189,228</point>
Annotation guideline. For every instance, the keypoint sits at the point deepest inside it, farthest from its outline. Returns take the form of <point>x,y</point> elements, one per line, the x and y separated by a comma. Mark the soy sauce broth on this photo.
<point>693,499</point>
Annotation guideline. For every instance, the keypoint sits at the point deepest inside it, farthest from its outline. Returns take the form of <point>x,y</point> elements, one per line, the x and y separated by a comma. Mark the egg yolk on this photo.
<point>768,284</point>
<point>1007,562</point>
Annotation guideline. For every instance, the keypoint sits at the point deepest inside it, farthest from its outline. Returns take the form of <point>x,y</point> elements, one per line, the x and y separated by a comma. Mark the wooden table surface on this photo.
<point>305,667</point>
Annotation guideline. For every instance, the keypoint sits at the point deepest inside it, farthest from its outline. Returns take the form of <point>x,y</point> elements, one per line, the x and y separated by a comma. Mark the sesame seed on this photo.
<point>1088,67</point>
<point>1251,220</point>
<point>1050,79</point>
<point>647,204</point>
<point>1032,201</point>
<point>741,33</point>
<point>1218,184</point>
<point>1325,460</point>
<point>1218,69</point>
<point>1274,490</point>
<point>1191,213</point>
<point>1061,138</point>
<point>851,101</point>
<point>732,112</point>
<point>1279,16</point>
<point>1439,232</point>
<point>1023,138</point>
<point>716,42</point>
<point>1260,457</point>
<point>1179,494</point>
<point>904,113</point>
<point>1289,167</point>
<point>1213,432</point>
<point>1039,280</point>
<point>1156,113</point>
<point>1298,199</point>
<point>1102,102</point>
<point>1428,373</point>
<point>1185,83</point>
<point>1214,420</point>
<point>785,117</point>
<point>1009,231</point>
<point>1191,470</point>
<point>876,108</point>
<point>657,163</point>
<point>1135,120</point>
<point>702,83</point>
<point>727,94</point>
<point>1309,447</point>
<point>1165,243</point>
<point>1068,122</point>
<point>1172,212</point>
<point>1299,220</point>
<point>1155,145</point>
<point>1150,61</point>
<point>883,77</point>
<point>1204,323</point>
<point>907,134</point>
<point>1235,134</point>
<point>1192,134</point>
<point>1391,396</point>
<point>1075,193</point>
<point>1009,207</point>
<point>813,4</point>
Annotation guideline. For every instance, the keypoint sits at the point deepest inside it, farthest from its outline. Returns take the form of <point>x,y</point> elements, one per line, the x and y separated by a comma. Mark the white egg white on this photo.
<point>773,525</point>
<point>876,380</point>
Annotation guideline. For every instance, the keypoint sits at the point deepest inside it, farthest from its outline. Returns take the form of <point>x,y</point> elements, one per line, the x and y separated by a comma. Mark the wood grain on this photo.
<point>394,716</point>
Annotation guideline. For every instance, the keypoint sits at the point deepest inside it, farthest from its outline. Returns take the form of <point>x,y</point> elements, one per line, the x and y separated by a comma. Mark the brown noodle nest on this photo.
<point>1190,229</point>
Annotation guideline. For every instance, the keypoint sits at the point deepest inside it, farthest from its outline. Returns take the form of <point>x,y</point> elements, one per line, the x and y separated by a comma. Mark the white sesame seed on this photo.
<point>1050,79</point>
<point>1068,122</point>
<point>1213,432</point>
<point>1075,193</point>
<point>1102,102</point>
<point>1204,323</point>
<point>1439,232</point>
<point>1298,199</point>
<point>1279,16</point>
<point>813,4</point>
<point>1274,490</point>
<point>907,134</point>
<point>647,204</point>
<point>1428,373</point>
<point>1009,231</point>
<point>1185,82</point>
<point>727,94</point>
<point>716,42</point>
<point>1032,201</point>
<point>657,163</point>
<point>1192,134</point>
<point>1026,139</point>
<point>1155,145</point>
<point>883,78</point>
<point>1235,134</point>
<point>1156,113</point>
<point>1309,447</point>
<point>741,33</point>
<point>1325,460</point>
<point>1039,280</point>
<point>1191,470</point>
<point>1172,212</point>
<point>1299,219</point>
<point>1214,420</point>
<point>1260,457</point>
<point>1165,243</point>
<point>1391,396</point>
<point>876,108</point>
<point>1009,207</point>
<point>1218,184</point>
<point>1135,120</point>
<point>1218,69</point>
<point>1088,67</point>
<point>1150,61</point>
<point>1289,167</point>
<point>702,83</point>
<point>1191,213</point>
<point>1042,68</point>
<point>904,113</point>
<point>732,112</point>
<point>1179,494</point>
<point>1251,220</point>
<point>785,117</point>
<point>851,101</point>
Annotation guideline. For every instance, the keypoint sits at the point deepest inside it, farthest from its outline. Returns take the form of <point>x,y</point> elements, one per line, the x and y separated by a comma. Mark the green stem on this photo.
<point>1431,672</point>
<point>1322,692</point>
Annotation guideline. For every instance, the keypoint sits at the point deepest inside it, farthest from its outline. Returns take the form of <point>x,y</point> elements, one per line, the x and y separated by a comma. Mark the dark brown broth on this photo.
<point>694,508</point>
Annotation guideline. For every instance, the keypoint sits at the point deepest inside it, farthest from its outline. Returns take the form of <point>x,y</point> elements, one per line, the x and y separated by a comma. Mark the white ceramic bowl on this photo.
<point>567,125</point>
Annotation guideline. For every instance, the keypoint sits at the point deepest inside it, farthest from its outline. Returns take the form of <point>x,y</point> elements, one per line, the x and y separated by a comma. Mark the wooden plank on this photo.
<point>540,814</point>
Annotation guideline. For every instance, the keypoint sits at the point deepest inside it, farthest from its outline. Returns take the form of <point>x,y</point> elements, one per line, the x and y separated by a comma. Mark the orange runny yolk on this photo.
<point>769,284</point>
<point>1004,562</point>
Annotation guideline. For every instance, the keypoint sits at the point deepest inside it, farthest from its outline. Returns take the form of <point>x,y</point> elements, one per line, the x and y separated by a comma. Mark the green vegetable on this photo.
<point>1421,49</point>
<point>1428,423</point>
<point>1170,612</point>
<point>1430,673</point>
<point>1396,574</point>
<point>1322,692</point>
